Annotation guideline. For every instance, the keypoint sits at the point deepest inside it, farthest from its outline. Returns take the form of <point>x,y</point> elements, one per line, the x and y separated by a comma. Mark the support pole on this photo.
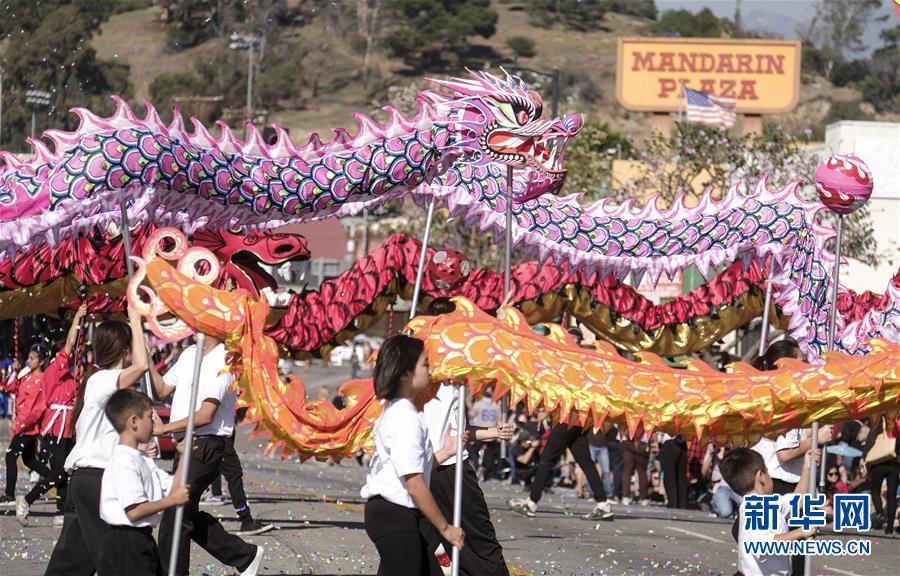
<point>832,322</point>
<point>250,55</point>
<point>422,257</point>
<point>129,266</point>
<point>507,271</point>
<point>188,449</point>
<point>764,329</point>
<point>458,478</point>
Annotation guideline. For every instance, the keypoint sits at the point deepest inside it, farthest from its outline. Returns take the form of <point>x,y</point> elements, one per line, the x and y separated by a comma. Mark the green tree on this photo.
<point>891,37</point>
<point>845,23</point>
<point>573,14</point>
<point>642,8</point>
<point>423,32</point>
<point>53,53</point>
<point>703,24</point>
<point>223,76</point>
<point>522,46</point>
<point>882,87</point>
<point>590,156</point>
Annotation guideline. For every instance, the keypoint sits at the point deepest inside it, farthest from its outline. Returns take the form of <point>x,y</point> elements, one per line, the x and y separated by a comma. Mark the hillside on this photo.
<point>586,59</point>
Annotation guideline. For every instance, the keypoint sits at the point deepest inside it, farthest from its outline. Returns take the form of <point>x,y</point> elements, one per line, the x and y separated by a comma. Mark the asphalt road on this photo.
<point>318,512</point>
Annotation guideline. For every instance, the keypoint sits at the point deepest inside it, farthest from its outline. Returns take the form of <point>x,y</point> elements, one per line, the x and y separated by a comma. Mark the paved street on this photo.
<point>319,514</point>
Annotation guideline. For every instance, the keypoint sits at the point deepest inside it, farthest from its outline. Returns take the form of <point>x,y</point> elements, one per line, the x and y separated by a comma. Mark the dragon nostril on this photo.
<point>283,249</point>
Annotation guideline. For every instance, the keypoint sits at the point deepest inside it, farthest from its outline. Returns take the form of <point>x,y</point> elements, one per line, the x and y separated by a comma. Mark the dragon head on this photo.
<point>242,252</point>
<point>492,120</point>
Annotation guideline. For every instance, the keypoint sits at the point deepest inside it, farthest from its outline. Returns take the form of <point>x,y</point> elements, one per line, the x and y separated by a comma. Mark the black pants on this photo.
<point>131,551</point>
<point>490,459</point>
<point>482,554</point>
<point>27,448</point>
<point>572,437</point>
<point>880,472</point>
<point>635,458</point>
<point>617,464</point>
<point>779,486</point>
<point>234,475</point>
<point>77,552</point>
<point>674,466</point>
<point>199,526</point>
<point>394,530</point>
<point>57,451</point>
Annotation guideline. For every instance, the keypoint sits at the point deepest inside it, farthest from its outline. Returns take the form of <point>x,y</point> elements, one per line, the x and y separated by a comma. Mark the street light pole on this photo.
<point>249,43</point>
<point>36,98</point>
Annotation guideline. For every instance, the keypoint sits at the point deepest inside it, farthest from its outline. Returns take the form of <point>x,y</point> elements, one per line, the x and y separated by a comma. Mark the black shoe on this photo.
<point>878,522</point>
<point>252,527</point>
<point>7,501</point>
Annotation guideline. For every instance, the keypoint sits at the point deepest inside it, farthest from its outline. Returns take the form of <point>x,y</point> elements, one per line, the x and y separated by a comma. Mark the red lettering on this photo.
<point>644,60</point>
<point>744,63</point>
<point>666,86</point>
<point>777,62</point>
<point>688,62</point>
<point>708,85</point>
<point>748,90</point>
<point>707,63</point>
<point>759,64</point>
<point>666,62</point>
<point>727,88</point>
<point>725,63</point>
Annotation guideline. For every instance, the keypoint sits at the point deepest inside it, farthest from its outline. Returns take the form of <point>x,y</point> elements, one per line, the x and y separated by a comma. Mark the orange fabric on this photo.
<point>600,386</point>
<point>577,385</point>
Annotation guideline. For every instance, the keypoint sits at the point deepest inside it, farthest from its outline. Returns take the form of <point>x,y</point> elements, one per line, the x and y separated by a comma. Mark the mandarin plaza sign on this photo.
<point>763,76</point>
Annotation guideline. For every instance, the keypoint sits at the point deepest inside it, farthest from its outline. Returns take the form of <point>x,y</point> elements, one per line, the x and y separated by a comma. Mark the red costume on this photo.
<point>60,388</point>
<point>29,403</point>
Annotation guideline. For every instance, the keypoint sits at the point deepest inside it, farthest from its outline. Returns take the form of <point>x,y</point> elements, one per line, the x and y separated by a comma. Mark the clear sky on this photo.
<point>780,17</point>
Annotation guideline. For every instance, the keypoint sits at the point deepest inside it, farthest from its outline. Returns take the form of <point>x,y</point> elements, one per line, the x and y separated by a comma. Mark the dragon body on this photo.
<point>590,387</point>
<point>315,321</point>
<point>456,151</point>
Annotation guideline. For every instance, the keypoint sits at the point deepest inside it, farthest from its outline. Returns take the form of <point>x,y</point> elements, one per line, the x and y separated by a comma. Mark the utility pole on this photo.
<point>37,98</point>
<point>248,42</point>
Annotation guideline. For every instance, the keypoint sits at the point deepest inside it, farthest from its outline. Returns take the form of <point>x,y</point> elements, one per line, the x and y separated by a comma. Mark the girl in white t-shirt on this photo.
<point>120,359</point>
<point>396,488</point>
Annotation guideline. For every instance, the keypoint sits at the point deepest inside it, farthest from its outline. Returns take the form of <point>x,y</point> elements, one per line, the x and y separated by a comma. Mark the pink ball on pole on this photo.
<point>448,269</point>
<point>844,183</point>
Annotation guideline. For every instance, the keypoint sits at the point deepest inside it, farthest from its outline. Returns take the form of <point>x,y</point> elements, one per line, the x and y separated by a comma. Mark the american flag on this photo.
<point>708,109</point>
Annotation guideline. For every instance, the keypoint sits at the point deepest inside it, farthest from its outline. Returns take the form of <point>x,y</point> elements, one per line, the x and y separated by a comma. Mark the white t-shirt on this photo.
<point>214,383</point>
<point>95,436</point>
<point>440,415</point>
<point>789,471</point>
<point>485,412</point>
<point>132,477</point>
<point>401,447</point>
<point>750,565</point>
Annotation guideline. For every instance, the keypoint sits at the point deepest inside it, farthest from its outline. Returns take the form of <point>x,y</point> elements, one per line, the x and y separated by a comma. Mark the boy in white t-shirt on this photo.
<point>745,471</point>
<point>134,490</point>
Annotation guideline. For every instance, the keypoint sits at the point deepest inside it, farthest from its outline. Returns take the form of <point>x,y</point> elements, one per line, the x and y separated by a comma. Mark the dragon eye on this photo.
<point>522,117</point>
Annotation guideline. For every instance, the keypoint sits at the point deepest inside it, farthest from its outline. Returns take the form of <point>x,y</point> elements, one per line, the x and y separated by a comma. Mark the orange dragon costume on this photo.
<point>590,387</point>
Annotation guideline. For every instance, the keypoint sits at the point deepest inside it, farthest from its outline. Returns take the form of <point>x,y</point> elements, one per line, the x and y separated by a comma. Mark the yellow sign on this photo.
<point>763,76</point>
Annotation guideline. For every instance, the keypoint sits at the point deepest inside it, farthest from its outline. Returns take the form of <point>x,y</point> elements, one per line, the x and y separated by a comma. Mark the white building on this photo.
<point>878,144</point>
